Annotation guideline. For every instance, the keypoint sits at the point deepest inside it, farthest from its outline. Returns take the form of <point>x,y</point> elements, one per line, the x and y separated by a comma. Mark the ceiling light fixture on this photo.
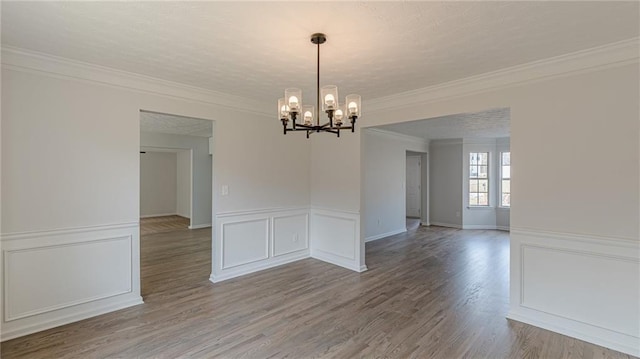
<point>290,108</point>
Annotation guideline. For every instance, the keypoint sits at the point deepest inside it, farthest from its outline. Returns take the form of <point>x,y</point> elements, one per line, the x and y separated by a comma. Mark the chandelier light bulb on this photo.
<point>353,108</point>
<point>330,100</point>
<point>338,117</point>
<point>293,102</point>
<point>308,117</point>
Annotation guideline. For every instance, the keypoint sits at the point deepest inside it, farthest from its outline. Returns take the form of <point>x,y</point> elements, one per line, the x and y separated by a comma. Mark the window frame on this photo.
<point>502,178</point>
<point>478,178</point>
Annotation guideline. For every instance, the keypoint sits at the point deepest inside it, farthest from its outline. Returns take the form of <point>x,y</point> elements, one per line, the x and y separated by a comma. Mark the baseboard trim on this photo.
<point>38,327</point>
<point>485,226</point>
<point>198,226</point>
<point>336,260</point>
<point>238,272</point>
<point>442,224</point>
<point>385,235</point>
<point>589,333</point>
<point>425,224</point>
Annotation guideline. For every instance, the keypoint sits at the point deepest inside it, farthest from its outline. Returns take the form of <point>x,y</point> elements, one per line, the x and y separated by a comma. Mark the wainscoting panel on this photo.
<point>335,238</point>
<point>74,274</point>
<point>582,286</point>
<point>290,234</point>
<point>56,277</point>
<point>249,241</point>
<point>244,242</point>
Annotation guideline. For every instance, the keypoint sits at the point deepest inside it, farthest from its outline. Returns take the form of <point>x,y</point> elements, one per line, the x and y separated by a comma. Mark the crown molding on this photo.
<point>615,54</point>
<point>480,141</point>
<point>446,142</point>
<point>36,62</point>
<point>395,135</point>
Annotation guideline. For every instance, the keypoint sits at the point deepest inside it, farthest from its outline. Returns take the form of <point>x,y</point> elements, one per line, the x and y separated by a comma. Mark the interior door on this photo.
<point>413,186</point>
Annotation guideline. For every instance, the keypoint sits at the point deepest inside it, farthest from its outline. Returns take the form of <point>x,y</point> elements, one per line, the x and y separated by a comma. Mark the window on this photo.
<point>479,179</point>
<point>505,176</point>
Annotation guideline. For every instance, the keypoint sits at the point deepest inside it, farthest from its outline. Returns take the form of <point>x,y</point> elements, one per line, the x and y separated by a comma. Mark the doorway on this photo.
<point>176,201</point>
<point>413,188</point>
<point>165,189</point>
<point>416,189</point>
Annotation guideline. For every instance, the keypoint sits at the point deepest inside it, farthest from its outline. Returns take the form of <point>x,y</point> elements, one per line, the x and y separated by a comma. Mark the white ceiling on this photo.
<point>492,123</point>
<point>176,125</point>
<point>256,49</point>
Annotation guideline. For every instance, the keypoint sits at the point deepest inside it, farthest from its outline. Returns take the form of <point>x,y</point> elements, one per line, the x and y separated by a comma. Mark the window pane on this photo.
<point>473,199</point>
<point>473,172</point>
<point>506,186</point>
<point>506,171</point>
<point>473,158</point>
<point>506,199</point>
<point>483,199</point>
<point>506,158</point>
<point>484,158</point>
<point>473,185</point>
<point>483,186</point>
<point>482,171</point>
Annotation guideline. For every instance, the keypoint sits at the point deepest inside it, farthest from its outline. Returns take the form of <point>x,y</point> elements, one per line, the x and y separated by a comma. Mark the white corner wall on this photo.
<point>573,236</point>
<point>201,172</point>
<point>335,200</point>
<point>445,183</point>
<point>158,184</point>
<point>384,159</point>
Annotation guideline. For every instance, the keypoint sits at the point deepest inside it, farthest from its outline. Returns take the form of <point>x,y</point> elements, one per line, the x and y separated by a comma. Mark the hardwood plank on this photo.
<point>432,292</point>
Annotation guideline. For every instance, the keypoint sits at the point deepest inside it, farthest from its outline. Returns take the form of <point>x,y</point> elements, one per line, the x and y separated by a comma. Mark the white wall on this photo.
<point>384,160</point>
<point>201,174</point>
<point>158,184</point>
<point>584,227</point>
<point>445,183</point>
<point>70,181</point>
<point>183,183</point>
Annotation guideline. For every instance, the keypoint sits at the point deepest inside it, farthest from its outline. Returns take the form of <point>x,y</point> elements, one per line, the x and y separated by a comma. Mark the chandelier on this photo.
<point>291,109</point>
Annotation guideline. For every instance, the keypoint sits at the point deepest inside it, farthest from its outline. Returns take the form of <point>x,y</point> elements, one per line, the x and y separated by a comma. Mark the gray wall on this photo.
<point>158,183</point>
<point>183,184</point>
<point>384,181</point>
<point>445,182</point>
<point>201,182</point>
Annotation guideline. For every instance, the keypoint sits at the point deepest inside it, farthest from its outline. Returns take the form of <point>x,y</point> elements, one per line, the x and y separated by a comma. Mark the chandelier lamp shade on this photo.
<point>298,117</point>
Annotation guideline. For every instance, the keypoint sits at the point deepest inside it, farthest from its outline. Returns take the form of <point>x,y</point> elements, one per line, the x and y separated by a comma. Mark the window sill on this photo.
<point>503,208</point>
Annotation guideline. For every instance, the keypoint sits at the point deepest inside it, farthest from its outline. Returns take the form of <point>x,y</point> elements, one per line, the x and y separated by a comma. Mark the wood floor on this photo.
<point>163,224</point>
<point>432,292</point>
